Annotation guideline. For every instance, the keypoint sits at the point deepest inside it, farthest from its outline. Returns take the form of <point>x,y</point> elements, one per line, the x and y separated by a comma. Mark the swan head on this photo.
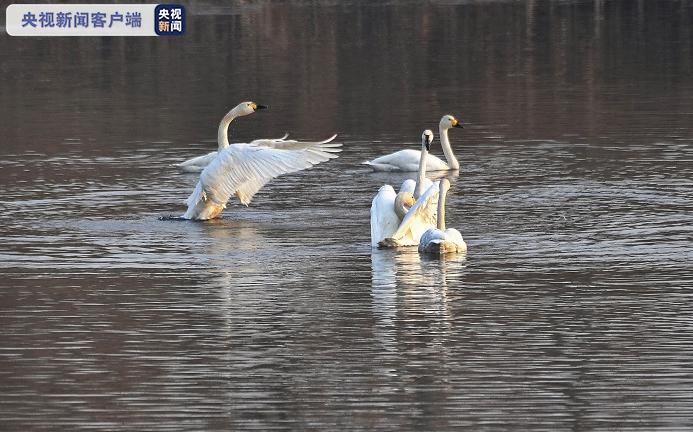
<point>449,121</point>
<point>427,139</point>
<point>408,199</point>
<point>403,201</point>
<point>247,108</point>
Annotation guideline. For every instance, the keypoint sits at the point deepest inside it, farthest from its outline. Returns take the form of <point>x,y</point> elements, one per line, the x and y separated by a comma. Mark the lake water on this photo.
<point>572,311</point>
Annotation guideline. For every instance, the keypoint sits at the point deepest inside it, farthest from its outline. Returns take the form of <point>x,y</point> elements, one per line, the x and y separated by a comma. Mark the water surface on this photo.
<point>571,311</point>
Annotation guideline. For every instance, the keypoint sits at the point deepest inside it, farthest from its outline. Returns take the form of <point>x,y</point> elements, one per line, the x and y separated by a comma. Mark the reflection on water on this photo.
<point>570,311</point>
<point>404,280</point>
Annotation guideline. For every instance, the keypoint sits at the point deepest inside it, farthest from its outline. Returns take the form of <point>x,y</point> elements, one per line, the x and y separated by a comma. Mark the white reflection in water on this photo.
<point>416,284</point>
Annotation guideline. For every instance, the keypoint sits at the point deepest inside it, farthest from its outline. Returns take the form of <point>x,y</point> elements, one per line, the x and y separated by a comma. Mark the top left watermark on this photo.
<point>95,20</point>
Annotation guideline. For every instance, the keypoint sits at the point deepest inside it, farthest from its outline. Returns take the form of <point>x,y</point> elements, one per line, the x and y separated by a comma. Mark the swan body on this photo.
<point>437,242</point>
<point>408,160</point>
<point>440,241</point>
<point>243,169</point>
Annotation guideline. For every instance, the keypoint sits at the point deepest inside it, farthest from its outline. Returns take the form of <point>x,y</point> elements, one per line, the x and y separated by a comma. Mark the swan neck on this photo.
<point>441,209</point>
<point>223,133</point>
<point>400,209</point>
<point>418,189</point>
<point>447,149</point>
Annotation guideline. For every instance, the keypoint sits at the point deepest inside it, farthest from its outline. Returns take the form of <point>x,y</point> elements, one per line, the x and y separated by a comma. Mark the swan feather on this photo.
<point>384,221</point>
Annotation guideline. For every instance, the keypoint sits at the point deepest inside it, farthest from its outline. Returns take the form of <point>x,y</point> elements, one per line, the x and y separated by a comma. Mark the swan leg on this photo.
<point>215,211</point>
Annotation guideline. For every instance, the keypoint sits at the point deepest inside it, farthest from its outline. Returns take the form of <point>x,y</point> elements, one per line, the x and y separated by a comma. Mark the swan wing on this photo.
<point>268,141</point>
<point>384,220</point>
<point>421,216</point>
<point>285,143</point>
<point>197,163</point>
<point>243,169</point>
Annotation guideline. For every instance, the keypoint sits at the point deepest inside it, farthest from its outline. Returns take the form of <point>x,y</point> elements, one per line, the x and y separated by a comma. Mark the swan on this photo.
<point>381,232</point>
<point>408,160</point>
<point>198,163</point>
<point>439,240</point>
<point>243,169</point>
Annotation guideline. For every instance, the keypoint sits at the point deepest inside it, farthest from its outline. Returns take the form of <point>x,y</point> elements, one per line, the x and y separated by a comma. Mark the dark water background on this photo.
<point>572,311</point>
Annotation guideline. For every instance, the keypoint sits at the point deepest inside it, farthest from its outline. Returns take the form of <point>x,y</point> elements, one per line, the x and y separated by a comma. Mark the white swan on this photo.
<point>243,169</point>
<point>426,213</point>
<point>408,160</point>
<point>439,240</point>
<point>198,163</point>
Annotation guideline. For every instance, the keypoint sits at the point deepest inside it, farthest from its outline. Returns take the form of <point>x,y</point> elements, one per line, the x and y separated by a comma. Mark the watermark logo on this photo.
<point>95,20</point>
<point>169,20</point>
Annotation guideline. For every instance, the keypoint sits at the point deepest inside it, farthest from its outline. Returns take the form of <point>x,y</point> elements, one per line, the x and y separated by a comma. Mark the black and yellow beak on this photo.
<point>456,123</point>
<point>260,107</point>
<point>428,143</point>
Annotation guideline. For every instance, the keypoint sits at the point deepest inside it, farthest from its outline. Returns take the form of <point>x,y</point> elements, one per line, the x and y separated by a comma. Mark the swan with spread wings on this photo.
<point>243,169</point>
<point>198,163</point>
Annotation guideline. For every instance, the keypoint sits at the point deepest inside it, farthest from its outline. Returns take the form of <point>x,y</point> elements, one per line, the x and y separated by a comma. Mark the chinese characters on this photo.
<point>81,19</point>
<point>169,20</point>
